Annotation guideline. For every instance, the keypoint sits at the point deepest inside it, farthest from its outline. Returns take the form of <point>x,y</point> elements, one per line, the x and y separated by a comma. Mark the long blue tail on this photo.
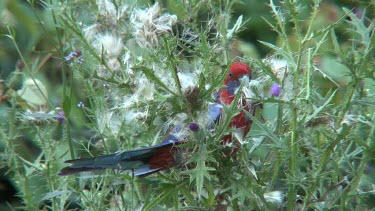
<point>142,161</point>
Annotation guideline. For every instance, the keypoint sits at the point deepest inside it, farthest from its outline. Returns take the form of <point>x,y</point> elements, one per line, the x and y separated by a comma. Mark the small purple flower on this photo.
<point>194,127</point>
<point>61,119</point>
<point>68,57</point>
<point>81,105</point>
<point>275,90</point>
<point>72,55</point>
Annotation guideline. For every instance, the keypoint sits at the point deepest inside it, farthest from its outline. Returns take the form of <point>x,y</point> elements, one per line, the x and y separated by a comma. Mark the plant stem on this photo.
<point>293,157</point>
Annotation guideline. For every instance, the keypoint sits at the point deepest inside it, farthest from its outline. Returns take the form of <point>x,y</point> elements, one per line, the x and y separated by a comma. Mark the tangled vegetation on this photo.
<point>97,76</point>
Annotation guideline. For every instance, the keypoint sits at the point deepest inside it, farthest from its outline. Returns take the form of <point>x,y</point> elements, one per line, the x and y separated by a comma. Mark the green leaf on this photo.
<point>318,110</point>
<point>178,8</point>
<point>31,167</point>
<point>54,194</point>
<point>336,72</point>
<point>280,51</point>
<point>67,105</point>
<point>267,132</point>
<point>201,172</point>
<point>202,81</point>
<point>170,194</point>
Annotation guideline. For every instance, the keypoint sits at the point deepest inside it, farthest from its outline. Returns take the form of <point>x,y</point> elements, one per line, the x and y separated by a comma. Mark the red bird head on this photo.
<point>236,71</point>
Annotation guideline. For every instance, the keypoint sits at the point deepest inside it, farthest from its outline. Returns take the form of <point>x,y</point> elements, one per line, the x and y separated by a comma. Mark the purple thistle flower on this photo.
<point>275,90</point>
<point>194,127</point>
<point>61,119</point>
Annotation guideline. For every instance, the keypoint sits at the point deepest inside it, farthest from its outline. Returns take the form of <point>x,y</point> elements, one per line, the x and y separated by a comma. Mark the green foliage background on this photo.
<point>316,146</point>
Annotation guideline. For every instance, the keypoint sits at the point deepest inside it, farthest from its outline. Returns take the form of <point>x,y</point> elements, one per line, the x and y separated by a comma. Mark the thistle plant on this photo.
<point>132,73</point>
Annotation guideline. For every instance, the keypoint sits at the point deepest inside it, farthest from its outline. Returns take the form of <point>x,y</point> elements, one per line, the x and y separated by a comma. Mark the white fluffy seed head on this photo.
<point>148,24</point>
<point>108,44</point>
<point>275,197</point>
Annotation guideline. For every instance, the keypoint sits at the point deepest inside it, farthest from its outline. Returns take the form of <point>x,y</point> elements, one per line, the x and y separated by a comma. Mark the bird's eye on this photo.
<point>230,75</point>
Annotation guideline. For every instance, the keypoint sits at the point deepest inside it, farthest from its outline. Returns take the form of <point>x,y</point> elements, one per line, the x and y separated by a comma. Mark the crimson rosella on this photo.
<point>148,160</point>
